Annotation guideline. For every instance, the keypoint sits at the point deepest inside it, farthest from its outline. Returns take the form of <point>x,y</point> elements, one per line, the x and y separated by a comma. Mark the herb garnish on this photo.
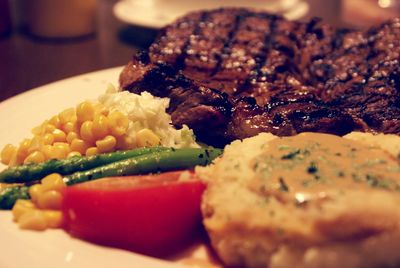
<point>291,155</point>
<point>312,168</point>
<point>282,185</point>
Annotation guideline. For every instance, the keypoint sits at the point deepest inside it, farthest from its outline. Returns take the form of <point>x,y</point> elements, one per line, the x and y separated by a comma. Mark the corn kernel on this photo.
<point>79,145</point>
<point>107,144</point>
<point>22,151</point>
<point>70,127</point>
<point>55,152</point>
<point>53,181</point>
<point>47,151</point>
<point>73,154</point>
<point>35,145</point>
<point>13,160</point>
<point>85,111</point>
<point>33,220</point>
<point>91,151</point>
<point>63,145</point>
<point>48,138</point>
<point>38,131</point>
<point>71,136</point>
<point>20,207</point>
<point>55,121</point>
<point>35,191</point>
<point>25,144</point>
<point>49,200</point>
<point>49,128</point>
<point>35,157</point>
<point>53,218</point>
<point>147,138</point>
<point>7,153</point>
<point>100,109</point>
<point>125,143</point>
<point>59,135</point>
<point>118,123</point>
<point>86,132</point>
<point>68,115</point>
<point>100,126</point>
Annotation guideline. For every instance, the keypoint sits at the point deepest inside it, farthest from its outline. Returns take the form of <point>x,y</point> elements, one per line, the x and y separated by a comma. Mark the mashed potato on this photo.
<point>312,200</point>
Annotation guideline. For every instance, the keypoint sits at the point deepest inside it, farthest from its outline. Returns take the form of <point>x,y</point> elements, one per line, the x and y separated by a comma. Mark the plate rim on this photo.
<point>301,10</point>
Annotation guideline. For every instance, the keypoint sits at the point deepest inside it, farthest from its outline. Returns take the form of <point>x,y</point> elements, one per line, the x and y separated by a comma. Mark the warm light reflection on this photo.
<point>68,256</point>
<point>146,4</point>
<point>385,3</point>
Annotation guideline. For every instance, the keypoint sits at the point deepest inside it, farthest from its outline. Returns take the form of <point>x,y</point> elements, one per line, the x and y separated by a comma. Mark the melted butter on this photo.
<point>311,165</point>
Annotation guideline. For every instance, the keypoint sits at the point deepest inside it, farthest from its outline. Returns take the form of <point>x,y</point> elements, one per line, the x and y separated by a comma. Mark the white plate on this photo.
<point>55,248</point>
<point>158,13</point>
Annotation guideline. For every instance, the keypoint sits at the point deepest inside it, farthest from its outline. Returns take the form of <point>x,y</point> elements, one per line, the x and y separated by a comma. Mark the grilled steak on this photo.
<point>232,73</point>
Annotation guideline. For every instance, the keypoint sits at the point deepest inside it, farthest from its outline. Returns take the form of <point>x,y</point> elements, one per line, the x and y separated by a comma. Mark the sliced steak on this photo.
<point>232,73</point>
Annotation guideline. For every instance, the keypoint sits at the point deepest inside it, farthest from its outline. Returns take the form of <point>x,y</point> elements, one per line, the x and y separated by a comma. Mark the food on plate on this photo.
<point>310,200</point>
<point>92,137</point>
<point>152,214</point>
<point>143,162</point>
<point>388,142</point>
<point>9,195</point>
<point>117,121</point>
<point>43,210</point>
<point>233,73</point>
<point>30,172</point>
<point>173,159</point>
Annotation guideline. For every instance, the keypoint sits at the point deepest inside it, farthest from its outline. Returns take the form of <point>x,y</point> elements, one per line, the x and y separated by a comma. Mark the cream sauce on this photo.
<point>309,165</point>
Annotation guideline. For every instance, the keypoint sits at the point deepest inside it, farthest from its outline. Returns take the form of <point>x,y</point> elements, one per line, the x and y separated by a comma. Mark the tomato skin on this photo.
<point>154,214</point>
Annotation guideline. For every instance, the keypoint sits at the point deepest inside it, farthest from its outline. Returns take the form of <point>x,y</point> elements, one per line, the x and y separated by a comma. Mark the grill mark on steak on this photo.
<point>180,60</point>
<point>226,49</point>
<point>260,59</point>
<point>232,73</point>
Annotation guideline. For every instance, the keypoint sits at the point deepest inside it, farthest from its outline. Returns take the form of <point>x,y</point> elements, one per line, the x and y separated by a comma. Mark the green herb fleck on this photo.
<point>291,155</point>
<point>355,177</point>
<point>371,180</point>
<point>312,168</point>
<point>282,185</point>
<point>306,183</point>
<point>340,174</point>
<point>374,181</point>
<point>283,147</point>
<point>317,177</point>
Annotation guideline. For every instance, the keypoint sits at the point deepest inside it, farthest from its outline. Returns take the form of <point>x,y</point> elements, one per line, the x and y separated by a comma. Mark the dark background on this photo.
<point>27,62</point>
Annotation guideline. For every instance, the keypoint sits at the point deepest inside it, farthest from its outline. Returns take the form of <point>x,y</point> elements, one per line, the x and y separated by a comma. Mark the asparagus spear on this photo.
<point>152,162</point>
<point>155,162</point>
<point>32,172</point>
<point>9,195</point>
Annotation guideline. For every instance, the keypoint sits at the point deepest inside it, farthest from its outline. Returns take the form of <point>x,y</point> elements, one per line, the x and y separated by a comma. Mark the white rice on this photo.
<point>147,111</point>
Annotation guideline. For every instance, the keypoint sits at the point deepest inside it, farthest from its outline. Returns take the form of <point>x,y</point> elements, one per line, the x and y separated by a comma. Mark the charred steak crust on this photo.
<point>232,73</point>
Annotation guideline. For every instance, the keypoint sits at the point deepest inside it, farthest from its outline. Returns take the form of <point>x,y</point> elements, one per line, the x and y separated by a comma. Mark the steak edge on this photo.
<point>232,73</point>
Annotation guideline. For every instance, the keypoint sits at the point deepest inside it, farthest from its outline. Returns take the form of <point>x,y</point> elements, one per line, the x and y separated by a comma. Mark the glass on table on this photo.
<point>60,18</point>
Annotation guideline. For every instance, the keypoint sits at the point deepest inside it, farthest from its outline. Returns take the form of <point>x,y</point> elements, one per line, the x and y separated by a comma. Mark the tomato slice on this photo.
<point>152,214</point>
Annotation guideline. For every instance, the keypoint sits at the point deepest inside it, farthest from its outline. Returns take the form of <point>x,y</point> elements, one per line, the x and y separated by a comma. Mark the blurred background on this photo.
<point>42,41</point>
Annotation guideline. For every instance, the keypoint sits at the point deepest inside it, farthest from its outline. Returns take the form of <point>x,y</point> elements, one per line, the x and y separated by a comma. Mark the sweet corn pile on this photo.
<point>118,121</point>
<point>87,130</point>
<point>43,210</point>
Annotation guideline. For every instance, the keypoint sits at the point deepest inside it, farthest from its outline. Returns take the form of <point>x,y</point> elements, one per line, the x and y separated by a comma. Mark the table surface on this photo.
<point>27,62</point>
